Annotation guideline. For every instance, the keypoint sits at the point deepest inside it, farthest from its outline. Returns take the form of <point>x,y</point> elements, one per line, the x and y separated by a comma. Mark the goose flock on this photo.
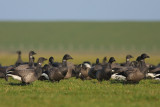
<point>129,71</point>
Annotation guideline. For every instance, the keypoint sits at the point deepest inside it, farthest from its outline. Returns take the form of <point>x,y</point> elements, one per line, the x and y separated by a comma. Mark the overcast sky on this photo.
<point>77,10</point>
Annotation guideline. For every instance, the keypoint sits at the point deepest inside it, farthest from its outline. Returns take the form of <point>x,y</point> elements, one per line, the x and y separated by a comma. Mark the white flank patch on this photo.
<point>151,75</point>
<point>80,74</point>
<point>157,75</point>
<point>112,71</point>
<point>157,79</point>
<point>118,77</point>
<point>87,65</point>
<point>45,75</point>
<point>15,77</point>
<point>9,71</point>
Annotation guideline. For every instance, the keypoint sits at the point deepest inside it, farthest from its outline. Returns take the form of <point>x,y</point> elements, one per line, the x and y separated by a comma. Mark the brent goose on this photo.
<point>127,63</point>
<point>84,70</point>
<point>154,72</point>
<point>58,71</point>
<point>31,59</point>
<point>134,75</point>
<point>62,71</point>
<point>3,72</point>
<point>28,75</point>
<point>67,67</point>
<point>52,73</point>
<point>106,72</point>
<point>25,65</point>
<point>95,67</point>
<point>104,61</point>
<point>52,63</point>
<point>19,60</point>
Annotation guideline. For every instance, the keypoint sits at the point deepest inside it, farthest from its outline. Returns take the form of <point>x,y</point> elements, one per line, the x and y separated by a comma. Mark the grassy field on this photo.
<point>75,92</point>
<point>106,36</point>
<point>84,41</point>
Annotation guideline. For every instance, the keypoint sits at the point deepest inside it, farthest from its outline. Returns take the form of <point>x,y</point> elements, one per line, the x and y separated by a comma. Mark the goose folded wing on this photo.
<point>24,72</point>
<point>22,67</point>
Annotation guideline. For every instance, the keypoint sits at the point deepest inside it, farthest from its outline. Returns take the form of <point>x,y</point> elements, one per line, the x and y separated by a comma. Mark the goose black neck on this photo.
<point>109,65</point>
<point>104,61</point>
<point>51,60</point>
<point>127,61</point>
<point>19,57</point>
<point>38,70</point>
<point>97,61</point>
<point>142,66</point>
<point>64,62</point>
<point>31,61</point>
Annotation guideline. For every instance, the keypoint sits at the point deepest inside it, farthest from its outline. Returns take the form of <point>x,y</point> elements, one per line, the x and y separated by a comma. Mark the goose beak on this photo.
<point>34,53</point>
<point>70,58</point>
<point>147,56</point>
<point>45,59</point>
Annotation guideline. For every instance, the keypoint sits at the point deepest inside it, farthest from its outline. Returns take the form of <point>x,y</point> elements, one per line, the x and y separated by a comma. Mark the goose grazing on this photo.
<point>29,75</point>
<point>78,68</point>
<point>19,60</point>
<point>95,67</point>
<point>106,72</point>
<point>134,75</point>
<point>84,70</point>
<point>154,72</point>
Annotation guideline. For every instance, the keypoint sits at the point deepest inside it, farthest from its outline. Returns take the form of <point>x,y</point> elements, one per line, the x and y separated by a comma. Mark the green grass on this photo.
<point>75,92</point>
<point>108,36</point>
<point>103,39</point>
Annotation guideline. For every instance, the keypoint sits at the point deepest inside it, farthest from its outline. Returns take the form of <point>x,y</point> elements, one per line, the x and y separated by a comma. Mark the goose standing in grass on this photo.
<point>29,75</point>
<point>3,72</point>
<point>134,75</point>
<point>95,67</point>
<point>31,59</point>
<point>154,72</point>
<point>104,62</point>
<point>58,72</point>
<point>25,65</point>
<point>53,73</point>
<point>19,60</point>
<point>128,62</point>
<point>52,63</point>
<point>84,69</point>
<point>106,72</point>
<point>67,67</point>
